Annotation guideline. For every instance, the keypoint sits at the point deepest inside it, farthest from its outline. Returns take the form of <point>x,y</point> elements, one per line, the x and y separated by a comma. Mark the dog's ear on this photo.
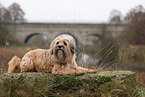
<point>51,52</point>
<point>72,48</point>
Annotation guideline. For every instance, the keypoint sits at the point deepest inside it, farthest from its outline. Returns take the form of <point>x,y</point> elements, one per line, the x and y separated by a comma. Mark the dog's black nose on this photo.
<point>59,46</point>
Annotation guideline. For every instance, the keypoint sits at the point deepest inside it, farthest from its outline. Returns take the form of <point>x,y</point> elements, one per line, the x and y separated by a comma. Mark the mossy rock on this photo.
<point>107,83</point>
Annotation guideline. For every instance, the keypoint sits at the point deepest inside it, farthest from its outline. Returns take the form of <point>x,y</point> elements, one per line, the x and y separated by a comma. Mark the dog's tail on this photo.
<point>14,65</point>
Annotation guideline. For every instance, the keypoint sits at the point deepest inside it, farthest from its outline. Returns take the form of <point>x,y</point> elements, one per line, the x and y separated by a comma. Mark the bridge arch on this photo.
<point>93,39</point>
<point>31,35</point>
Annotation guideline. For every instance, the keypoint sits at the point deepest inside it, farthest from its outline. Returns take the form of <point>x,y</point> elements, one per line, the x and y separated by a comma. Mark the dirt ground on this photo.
<point>8,53</point>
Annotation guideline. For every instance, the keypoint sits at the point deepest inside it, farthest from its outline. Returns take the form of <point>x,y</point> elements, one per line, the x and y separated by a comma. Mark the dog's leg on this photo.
<point>14,65</point>
<point>74,65</point>
<point>62,69</point>
<point>27,64</point>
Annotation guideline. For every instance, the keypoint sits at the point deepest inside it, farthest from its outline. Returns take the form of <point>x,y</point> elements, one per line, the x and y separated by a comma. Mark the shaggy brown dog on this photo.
<point>55,60</point>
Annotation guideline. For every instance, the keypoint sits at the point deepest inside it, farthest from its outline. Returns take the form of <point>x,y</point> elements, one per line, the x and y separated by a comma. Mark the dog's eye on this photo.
<point>57,43</point>
<point>65,43</point>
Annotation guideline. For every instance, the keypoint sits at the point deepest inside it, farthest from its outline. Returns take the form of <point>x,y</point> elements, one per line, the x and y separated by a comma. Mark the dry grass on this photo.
<point>140,76</point>
<point>5,56</point>
<point>132,55</point>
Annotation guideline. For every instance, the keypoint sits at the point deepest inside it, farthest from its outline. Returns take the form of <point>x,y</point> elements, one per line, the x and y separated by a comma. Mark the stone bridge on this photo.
<point>79,31</point>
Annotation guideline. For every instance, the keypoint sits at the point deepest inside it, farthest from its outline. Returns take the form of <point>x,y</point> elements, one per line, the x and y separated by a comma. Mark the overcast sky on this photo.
<point>72,10</point>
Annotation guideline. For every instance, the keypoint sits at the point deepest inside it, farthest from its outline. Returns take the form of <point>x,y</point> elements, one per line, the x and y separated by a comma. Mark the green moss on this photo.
<point>45,84</point>
<point>141,91</point>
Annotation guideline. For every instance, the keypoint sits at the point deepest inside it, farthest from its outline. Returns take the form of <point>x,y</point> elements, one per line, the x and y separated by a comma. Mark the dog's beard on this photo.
<point>61,55</point>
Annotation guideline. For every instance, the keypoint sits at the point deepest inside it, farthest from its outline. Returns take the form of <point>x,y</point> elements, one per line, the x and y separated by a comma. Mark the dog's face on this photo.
<point>63,49</point>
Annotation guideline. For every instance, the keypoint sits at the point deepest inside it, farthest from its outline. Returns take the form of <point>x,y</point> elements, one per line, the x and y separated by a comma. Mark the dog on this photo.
<point>54,60</point>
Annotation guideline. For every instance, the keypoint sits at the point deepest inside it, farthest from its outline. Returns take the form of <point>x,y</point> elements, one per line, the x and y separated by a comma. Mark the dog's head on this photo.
<point>63,49</point>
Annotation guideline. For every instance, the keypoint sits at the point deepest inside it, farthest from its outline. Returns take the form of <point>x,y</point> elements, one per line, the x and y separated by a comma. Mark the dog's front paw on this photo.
<point>80,72</point>
<point>92,71</point>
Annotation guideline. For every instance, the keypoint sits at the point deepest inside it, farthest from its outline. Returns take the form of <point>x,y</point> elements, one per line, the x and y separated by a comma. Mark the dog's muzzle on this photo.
<point>60,53</point>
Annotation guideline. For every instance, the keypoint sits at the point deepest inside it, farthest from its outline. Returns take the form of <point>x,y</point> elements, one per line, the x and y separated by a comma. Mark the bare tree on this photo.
<point>4,15</point>
<point>129,16</point>
<point>135,29</point>
<point>16,12</point>
<point>115,17</point>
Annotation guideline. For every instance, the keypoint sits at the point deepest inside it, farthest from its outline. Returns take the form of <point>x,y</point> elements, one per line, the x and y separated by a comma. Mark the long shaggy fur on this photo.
<point>54,60</point>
